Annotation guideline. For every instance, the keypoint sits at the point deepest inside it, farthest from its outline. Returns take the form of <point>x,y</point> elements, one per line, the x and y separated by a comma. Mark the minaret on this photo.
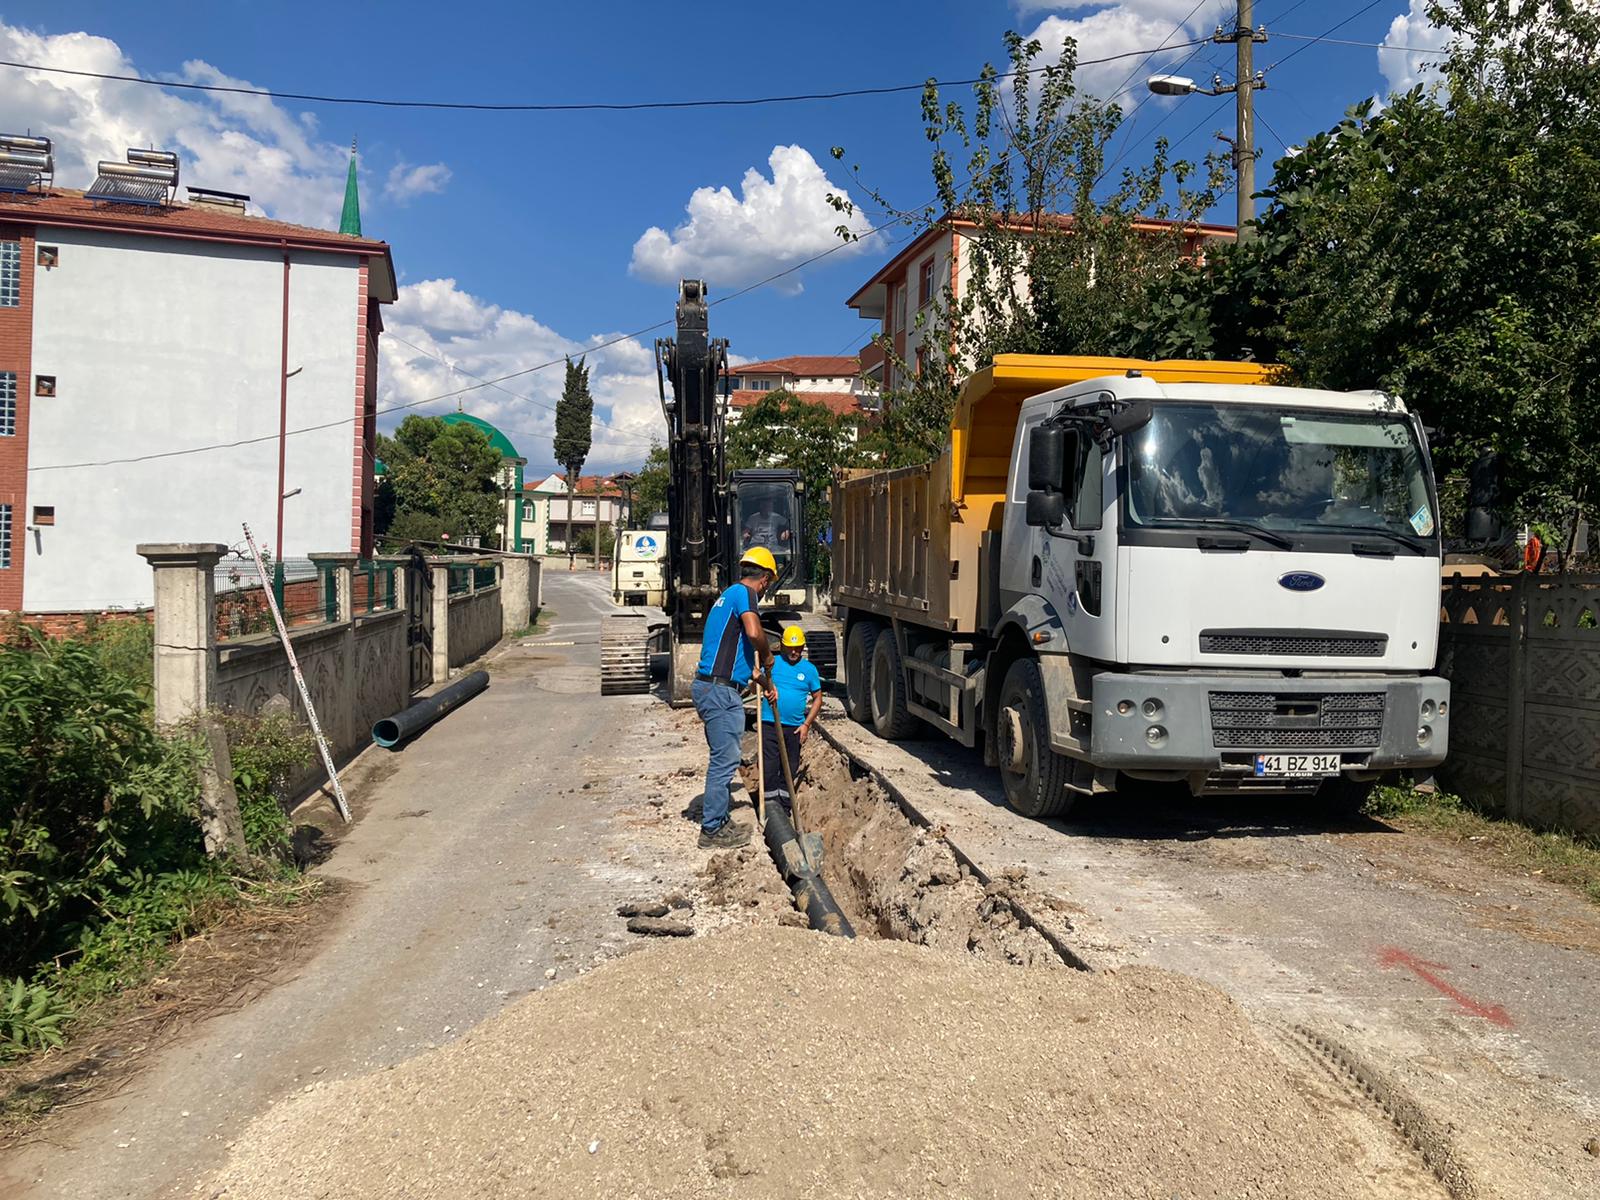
<point>350,218</point>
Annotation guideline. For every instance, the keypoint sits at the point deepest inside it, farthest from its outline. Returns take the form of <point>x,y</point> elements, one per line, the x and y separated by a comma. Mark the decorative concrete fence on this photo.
<point>357,663</point>
<point>1523,657</point>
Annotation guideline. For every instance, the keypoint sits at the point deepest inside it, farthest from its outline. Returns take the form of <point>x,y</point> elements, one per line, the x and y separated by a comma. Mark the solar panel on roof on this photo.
<point>26,163</point>
<point>149,177</point>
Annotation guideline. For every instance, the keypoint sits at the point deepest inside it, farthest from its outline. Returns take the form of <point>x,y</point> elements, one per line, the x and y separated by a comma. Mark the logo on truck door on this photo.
<point>1301,581</point>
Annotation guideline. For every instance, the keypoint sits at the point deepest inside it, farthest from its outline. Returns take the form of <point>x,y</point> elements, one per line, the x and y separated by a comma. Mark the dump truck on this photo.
<point>1171,571</point>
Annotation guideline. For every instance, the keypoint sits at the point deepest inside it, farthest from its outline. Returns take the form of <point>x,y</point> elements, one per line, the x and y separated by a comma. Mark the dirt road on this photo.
<point>1468,997</point>
<point>486,853</point>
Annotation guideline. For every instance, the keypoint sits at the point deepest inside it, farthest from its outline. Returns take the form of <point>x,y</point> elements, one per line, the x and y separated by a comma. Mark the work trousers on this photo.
<point>722,713</point>
<point>774,786</point>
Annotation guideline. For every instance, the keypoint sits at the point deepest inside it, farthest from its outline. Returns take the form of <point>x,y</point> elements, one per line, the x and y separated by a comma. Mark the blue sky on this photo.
<point>517,237</point>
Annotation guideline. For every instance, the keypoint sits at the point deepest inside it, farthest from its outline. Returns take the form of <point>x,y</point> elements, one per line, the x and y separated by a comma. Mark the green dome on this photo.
<point>496,439</point>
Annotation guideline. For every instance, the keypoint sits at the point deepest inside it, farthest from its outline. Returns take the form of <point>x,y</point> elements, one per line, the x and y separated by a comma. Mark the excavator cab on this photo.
<point>767,511</point>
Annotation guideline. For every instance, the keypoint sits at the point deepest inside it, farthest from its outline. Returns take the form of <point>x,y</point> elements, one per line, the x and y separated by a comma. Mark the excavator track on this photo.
<point>624,655</point>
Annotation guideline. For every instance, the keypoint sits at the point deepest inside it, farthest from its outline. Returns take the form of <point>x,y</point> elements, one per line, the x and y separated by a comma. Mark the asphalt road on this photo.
<point>1474,993</point>
<point>479,861</point>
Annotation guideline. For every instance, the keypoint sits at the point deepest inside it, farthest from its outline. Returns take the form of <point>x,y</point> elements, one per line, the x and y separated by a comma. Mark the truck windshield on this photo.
<point>1307,470</point>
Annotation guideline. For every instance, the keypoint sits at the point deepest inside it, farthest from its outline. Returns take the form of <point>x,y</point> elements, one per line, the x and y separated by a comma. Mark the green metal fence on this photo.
<point>376,586</point>
<point>485,575</point>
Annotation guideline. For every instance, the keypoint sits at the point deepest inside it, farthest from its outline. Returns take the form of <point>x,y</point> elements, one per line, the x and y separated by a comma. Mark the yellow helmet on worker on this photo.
<point>761,557</point>
<point>793,635</point>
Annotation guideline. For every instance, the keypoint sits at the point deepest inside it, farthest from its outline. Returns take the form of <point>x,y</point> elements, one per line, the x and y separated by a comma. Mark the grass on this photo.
<point>1564,858</point>
<point>540,624</point>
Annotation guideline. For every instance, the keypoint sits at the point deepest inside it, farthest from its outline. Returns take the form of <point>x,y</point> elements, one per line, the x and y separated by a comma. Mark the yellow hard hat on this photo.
<point>793,635</point>
<point>761,557</point>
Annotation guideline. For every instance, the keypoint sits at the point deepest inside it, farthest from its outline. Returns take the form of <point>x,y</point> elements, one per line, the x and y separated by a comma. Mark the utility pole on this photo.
<point>1245,82</point>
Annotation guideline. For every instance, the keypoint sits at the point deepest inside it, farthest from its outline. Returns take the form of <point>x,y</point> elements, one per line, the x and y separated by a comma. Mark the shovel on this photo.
<point>761,768</point>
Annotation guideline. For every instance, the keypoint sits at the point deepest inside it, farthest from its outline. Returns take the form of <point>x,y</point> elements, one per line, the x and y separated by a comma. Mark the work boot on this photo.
<point>731,836</point>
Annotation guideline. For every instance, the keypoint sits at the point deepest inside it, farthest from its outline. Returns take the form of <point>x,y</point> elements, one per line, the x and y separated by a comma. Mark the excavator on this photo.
<point>713,517</point>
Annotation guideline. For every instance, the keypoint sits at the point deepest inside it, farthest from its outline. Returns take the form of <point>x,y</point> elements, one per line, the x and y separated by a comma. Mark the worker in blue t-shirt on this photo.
<point>799,689</point>
<point>733,644</point>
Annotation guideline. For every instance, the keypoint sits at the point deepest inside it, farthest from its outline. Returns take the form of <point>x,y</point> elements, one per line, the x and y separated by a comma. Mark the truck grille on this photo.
<point>1296,720</point>
<point>1302,643</point>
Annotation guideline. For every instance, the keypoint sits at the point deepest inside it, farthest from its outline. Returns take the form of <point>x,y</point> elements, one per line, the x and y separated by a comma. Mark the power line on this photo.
<point>514,395</point>
<point>773,278</point>
<point>585,106</point>
<point>1323,36</point>
<point>1302,37</point>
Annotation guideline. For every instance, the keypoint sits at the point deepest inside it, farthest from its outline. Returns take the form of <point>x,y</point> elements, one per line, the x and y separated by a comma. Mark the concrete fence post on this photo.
<point>441,621</point>
<point>515,592</point>
<point>185,626</point>
<point>340,566</point>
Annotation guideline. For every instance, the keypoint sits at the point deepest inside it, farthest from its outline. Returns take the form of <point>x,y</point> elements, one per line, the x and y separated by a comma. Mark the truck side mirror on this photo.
<point>1046,508</point>
<point>1130,419</point>
<point>1047,456</point>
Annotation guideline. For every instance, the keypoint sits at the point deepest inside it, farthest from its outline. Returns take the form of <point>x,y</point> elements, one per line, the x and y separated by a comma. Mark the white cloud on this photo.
<point>1405,69</point>
<point>774,223</point>
<point>488,341</point>
<point>1105,30</point>
<point>407,182</point>
<point>249,144</point>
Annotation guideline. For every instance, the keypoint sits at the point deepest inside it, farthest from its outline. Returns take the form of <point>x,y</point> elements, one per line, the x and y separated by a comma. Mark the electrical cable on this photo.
<point>395,337</point>
<point>1308,42</point>
<point>587,106</point>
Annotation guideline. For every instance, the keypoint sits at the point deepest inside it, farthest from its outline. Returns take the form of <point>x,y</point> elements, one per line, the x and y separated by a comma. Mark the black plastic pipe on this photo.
<point>811,894</point>
<point>391,731</point>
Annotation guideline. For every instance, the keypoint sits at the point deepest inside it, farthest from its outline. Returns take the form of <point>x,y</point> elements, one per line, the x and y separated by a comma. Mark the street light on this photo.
<point>1247,80</point>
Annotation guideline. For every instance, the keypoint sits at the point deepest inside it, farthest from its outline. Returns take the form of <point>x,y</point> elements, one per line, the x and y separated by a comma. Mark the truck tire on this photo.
<point>1035,776</point>
<point>891,718</point>
<point>858,647</point>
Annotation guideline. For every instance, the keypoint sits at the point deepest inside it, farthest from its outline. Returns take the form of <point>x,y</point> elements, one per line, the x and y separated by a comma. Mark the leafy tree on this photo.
<point>650,487</point>
<point>574,433</point>
<point>782,430</point>
<point>1444,247</point>
<point>1055,265</point>
<point>442,483</point>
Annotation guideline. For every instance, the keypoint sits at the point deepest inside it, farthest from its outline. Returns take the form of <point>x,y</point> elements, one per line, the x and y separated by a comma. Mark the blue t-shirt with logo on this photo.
<point>795,683</point>
<point>724,650</point>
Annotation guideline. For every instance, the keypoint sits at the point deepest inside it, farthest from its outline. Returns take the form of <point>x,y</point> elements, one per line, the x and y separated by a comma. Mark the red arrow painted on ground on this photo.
<point>1393,956</point>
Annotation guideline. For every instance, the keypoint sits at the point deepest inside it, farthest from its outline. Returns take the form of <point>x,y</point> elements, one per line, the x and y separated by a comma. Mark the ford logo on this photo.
<point>1301,581</point>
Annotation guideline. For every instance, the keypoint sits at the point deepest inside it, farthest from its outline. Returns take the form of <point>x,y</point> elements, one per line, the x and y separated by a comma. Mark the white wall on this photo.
<point>159,345</point>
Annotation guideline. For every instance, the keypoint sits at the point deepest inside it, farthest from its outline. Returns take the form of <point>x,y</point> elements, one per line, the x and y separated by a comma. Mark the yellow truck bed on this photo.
<point>914,542</point>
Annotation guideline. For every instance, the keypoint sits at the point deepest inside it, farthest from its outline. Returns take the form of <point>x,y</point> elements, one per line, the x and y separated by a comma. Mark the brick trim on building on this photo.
<point>360,467</point>
<point>16,354</point>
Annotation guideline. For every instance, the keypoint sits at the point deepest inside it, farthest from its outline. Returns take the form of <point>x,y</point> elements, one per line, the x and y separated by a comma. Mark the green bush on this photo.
<point>31,1016</point>
<point>88,792</point>
<point>268,751</point>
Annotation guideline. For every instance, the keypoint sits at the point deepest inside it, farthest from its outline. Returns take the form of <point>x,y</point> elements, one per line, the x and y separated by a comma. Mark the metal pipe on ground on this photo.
<point>391,731</point>
<point>811,895</point>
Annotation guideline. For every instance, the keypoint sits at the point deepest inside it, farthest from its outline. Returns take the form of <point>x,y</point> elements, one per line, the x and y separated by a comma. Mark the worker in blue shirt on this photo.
<point>799,690</point>
<point>730,651</point>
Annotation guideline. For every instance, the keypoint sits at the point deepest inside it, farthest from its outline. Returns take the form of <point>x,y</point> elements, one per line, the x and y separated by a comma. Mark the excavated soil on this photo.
<point>897,881</point>
<point>771,1062</point>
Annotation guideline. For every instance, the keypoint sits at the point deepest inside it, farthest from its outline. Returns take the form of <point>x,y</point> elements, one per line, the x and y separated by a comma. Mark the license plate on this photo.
<point>1297,766</point>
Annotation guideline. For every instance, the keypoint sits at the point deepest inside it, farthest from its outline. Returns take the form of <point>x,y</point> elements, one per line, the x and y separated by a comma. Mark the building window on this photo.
<point>900,307</point>
<point>8,403</point>
<point>10,274</point>
<point>925,284</point>
<point>5,535</point>
<point>527,510</point>
<point>760,385</point>
<point>586,508</point>
<point>44,514</point>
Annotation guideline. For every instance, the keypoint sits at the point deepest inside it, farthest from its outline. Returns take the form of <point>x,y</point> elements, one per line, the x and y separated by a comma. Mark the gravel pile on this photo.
<point>772,1062</point>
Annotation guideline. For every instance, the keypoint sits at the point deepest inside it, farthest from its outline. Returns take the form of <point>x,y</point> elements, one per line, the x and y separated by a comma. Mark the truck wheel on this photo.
<point>891,719</point>
<point>1035,776</point>
<point>858,670</point>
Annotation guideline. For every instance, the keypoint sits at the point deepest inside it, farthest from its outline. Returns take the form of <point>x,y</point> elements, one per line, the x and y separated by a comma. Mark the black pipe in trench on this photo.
<point>811,895</point>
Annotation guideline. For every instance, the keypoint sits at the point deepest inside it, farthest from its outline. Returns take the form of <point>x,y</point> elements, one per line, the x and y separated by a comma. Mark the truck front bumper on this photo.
<point>1219,723</point>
